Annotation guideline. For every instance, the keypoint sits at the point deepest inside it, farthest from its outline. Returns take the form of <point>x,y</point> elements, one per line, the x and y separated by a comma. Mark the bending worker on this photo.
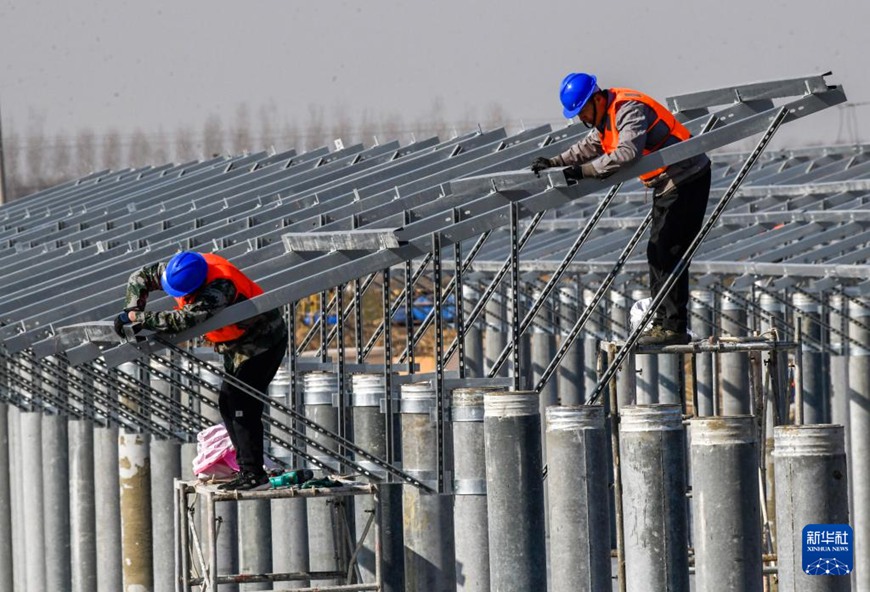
<point>625,125</point>
<point>202,285</point>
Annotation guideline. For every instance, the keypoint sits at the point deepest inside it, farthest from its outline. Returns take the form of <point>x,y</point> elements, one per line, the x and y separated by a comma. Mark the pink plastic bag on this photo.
<point>215,455</point>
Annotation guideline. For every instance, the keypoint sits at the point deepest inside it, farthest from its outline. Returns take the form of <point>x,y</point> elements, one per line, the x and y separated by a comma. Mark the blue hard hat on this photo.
<point>184,274</point>
<point>575,91</point>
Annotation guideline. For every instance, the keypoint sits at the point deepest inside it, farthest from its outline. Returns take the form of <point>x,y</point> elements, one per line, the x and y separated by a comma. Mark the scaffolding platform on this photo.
<point>753,346</point>
<point>197,555</point>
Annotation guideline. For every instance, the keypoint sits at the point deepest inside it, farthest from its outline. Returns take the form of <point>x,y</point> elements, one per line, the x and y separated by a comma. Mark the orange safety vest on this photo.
<point>610,137</point>
<point>221,269</point>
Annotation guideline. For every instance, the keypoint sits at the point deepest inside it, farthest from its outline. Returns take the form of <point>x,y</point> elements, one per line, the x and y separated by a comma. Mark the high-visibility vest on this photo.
<point>610,137</point>
<point>221,269</point>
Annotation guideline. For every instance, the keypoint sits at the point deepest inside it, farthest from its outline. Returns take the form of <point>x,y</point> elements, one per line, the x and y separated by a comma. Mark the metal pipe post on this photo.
<point>653,467</point>
<point>647,368</point>
<point>522,356</point>
<point>859,418</point>
<point>107,498</point>
<point>626,377</point>
<point>469,489</point>
<point>734,367</point>
<point>813,385</point>
<point>495,339</point>
<point>32,484</point>
<point>369,433</point>
<point>15,492</point>
<point>543,346</point>
<point>593,334</point>
<point>543,349</point>
<point>620,315</point>
<point>320,390</point>
<point>473,335</point>
<point>255,537</point>
<point>134,473</point>
<point>648,379</point>
<point>570,377</point>
<point>55,476</point>
<point>391,538</point>
<point>811,488</point>
<point>255,541</point>
<point>430,565</point>
<point>166,467</point>
<point>289,516</point>
<point>578,470</point>
<point>19,558</point>
<point>701,321</point>
<point>838,381</point>
<point>772,324</point>
<point>671,375</point>
<point>5,503</point>
<point>726,503</point>
<point>226,528</point>
<point>83,549</point>
<point>515,511</point>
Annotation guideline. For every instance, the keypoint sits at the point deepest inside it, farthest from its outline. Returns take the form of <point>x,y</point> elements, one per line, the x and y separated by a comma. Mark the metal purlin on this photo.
<point>684,261</point>
<point>488,212</point>
<point>407,300</point>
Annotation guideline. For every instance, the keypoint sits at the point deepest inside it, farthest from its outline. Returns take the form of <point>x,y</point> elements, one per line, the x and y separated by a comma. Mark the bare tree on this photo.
<point>342,126</point>
<point>289,136</point>
<point>36,151</point>
<point>268,115</point>
<point>314,130</point>
<point>185,144</point>
<point>469,119</point>
<point>140,149</point>
<point>12,162</point>
<point>437,122</point>
<point>86,150</point>
<point>61,158</point>
<point>160,148</point>
<point>213,136</point>
<point>392,126</point>
<point>241,131</point>
<point>495,116</point>
<point>112,149</point>
<point>367,129</point>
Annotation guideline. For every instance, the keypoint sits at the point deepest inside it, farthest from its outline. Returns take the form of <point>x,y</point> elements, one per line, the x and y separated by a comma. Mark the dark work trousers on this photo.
<point>676,219</point>
<point>242,413</point>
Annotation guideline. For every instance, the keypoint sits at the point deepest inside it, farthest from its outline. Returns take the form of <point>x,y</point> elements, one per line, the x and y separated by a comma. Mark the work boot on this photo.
<point>660,336</point>
<point>246,481</point>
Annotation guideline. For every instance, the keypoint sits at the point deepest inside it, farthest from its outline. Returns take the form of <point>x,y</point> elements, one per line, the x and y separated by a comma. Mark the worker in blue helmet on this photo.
<point>624,125</point>
<point>202,285</point>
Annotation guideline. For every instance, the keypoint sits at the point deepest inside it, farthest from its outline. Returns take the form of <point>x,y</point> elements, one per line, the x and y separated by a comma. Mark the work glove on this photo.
<point>541,163</point>
<point>574,173</point>
<point>580,171</point>
<point>122,320</point>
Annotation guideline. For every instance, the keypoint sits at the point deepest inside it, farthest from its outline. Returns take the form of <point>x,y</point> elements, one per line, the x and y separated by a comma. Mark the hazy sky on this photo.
<point>160,64</point>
